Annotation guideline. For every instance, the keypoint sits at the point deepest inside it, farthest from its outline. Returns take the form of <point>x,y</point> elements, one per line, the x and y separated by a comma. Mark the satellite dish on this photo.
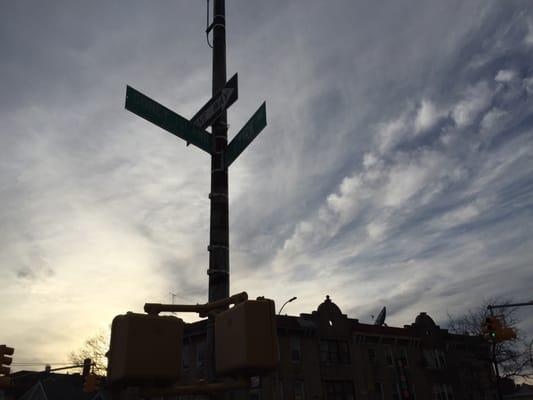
<point>380,320</point>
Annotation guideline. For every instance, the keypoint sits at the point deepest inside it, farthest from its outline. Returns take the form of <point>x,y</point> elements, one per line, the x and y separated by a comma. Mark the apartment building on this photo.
<point>327,355</point>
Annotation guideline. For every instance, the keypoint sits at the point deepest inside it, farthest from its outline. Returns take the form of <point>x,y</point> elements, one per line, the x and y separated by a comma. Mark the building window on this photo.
<point>186,356</point>
<point>441,358</point>
<point>339,390</point>
<point>403,358</point>
<point>299,392</point>
<point>255,388</point>
<point>389,358</point>
<point>295,349</point>
<point>395,392</point>
<point>403,390</point>
<point>254,394</point>
<point>200,354</point>
<point>442,391</point>
<point>334,352</point>
<point>359,339</point>
<point>435,358</point>
<point>378,389</point>
<point>372,356</point>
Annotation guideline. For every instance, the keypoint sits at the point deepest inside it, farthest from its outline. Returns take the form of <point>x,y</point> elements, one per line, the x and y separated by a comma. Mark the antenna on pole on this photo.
<point>172,298</point>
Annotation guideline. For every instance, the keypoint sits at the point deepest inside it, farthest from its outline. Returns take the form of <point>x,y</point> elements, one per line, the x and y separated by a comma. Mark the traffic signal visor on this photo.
<point>5,352</point>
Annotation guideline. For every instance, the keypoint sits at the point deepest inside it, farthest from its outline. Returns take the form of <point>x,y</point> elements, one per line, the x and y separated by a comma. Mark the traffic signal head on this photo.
<point>5,382</point>
<point>5,352</point>
<point>91,383</point>
<point>491,327</point>
<point>496,331</point>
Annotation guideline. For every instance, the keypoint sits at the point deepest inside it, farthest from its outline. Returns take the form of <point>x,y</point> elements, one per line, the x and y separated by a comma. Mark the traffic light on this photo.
<point>91,383</point>
<point>490,327</point>
<point>5,383</point>
<point>496,331</point>
<point>5,351</point>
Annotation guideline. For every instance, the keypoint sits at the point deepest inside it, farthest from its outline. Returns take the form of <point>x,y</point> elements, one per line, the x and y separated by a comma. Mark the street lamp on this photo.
<point>288,301</point>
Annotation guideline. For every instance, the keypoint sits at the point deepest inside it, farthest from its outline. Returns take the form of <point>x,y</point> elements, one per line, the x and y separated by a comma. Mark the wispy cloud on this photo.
<point>393,171</point>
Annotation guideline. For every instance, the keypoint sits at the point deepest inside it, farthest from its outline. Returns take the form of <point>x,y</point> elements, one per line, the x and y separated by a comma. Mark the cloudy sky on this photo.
<point>396,168</point>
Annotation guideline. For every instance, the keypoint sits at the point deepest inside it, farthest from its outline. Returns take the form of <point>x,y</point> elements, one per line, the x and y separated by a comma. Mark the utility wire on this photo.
<point>207,26</point>
<point>39,363</point>
<point>214,24</point>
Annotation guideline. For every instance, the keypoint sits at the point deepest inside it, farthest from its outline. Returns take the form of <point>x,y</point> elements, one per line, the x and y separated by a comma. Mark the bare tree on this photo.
<point>512,356</point>
<point>94,348</point>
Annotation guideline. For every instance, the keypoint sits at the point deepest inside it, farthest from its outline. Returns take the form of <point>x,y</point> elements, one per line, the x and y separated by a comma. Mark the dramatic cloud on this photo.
<point>395,168</point>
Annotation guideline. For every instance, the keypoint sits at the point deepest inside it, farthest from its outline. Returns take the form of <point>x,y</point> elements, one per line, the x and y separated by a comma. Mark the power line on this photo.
<point>39,363</point>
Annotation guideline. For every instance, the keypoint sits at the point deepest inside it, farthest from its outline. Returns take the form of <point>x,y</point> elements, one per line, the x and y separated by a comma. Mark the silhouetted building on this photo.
<point>326,355</point>
<point>42,385</point>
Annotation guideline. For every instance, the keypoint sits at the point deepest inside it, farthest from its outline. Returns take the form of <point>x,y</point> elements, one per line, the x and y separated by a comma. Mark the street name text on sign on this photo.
<point>217,104</point>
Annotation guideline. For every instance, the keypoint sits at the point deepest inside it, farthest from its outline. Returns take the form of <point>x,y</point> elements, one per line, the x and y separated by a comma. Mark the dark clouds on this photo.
<point>395,168</point>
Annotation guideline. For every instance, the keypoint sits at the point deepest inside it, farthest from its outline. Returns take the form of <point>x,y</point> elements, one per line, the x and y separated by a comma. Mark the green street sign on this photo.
<point>249,131</point>
<point>152,111</point>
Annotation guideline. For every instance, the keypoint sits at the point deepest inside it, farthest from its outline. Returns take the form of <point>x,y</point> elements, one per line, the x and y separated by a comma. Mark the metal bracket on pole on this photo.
<point>202,309</point>
<point>212,271</point>
<point>215,246</point>
<point>219,195</point>
<point>221,22</point>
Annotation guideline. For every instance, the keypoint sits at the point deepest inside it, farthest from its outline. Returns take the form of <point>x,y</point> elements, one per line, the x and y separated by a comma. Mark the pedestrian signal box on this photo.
<point>246,340</point>
<point>145,348</point>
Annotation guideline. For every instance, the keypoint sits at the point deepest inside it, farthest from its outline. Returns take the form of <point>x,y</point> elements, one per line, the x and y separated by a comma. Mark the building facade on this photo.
<point>326,355</point>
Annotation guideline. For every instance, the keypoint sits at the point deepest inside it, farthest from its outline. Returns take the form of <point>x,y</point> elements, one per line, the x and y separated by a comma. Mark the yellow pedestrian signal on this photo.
<point>145,348</point>
<point>5,360</point>
<point>246,340</point>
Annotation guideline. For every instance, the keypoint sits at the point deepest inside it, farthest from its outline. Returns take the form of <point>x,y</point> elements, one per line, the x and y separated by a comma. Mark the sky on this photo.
<point>396,168</point>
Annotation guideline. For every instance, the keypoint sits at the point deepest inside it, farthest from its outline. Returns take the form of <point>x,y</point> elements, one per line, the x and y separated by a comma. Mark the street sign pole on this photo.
<point>219,229</point>
<point>219,224</point>
<point>213,113</point>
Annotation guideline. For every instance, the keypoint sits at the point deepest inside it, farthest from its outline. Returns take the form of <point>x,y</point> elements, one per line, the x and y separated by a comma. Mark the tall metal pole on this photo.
<point>219,223</point>
<point>219,229</point>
